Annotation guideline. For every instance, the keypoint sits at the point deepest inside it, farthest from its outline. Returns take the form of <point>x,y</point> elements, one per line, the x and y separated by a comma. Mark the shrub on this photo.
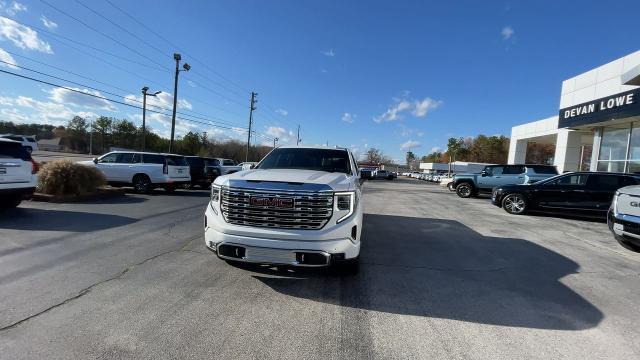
<point>68,178</point>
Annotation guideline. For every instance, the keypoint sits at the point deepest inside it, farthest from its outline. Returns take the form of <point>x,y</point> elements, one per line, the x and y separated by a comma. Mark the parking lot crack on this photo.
<point>89,288</point>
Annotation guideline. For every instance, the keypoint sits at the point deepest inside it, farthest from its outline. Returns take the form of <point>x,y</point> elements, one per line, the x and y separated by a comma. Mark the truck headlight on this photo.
<point>345,203</point>
<point>215,193</point>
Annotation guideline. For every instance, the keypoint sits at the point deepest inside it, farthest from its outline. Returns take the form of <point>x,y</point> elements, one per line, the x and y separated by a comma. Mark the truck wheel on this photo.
<point>142,184</point>
<point>347,267</point>
<point>515,204</point>
<point>450,186</point>
<point>29,149</point>
<point>464,190</point>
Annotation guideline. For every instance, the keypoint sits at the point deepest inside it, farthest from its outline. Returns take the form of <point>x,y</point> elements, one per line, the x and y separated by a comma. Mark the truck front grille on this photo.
<point>276,209</point>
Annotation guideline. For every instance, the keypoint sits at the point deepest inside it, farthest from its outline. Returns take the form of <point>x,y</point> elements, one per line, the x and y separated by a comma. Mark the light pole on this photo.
<point>275,140</point>
<point>91,137</point>
<point>144,114</point>
<point>185,67</point>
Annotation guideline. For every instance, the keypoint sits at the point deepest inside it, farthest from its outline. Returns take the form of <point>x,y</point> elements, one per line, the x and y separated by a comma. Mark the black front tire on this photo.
<point>11,202</point>
<point>465,190</point>
<point>450,187</point>
<point>347,267</point>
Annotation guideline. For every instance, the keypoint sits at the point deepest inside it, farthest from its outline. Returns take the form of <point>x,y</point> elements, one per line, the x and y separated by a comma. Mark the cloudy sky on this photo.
<point>397,75</point>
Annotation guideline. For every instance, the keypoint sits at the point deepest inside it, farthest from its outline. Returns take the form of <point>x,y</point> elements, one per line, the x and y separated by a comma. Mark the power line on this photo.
<point>116,101</point>
<point>178,48</point>
<point>103,34</point>
<point>114,94</point>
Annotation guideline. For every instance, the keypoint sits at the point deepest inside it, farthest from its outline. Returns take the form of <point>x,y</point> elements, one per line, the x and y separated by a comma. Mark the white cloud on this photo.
<point>276,131</point>
<point>507,32</point>
<point>46,112</point>
<point>282,112</point>
<point>22,36</point>
<point>14,8</point>
<point>420,133</point>
<point>192,84</point>
<point>393,113</point>
<point>349,117</point>
<point>410,144</point>
<point>329,53</point>
<point>419,108</point>
<point>48,23</point>
<point>163,100</point>
<point>64,96</point>
<point>422,107</point>
<point>436,149</point>
<point>5,56</point>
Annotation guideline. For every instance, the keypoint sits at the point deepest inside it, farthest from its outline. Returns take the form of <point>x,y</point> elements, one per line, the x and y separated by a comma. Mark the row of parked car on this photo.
<point>379,174</point>
<point>519,189</point>
<point>428,176</point>
<point>144,171</point>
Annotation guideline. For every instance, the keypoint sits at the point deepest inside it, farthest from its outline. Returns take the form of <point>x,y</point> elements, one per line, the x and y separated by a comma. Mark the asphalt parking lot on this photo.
<point>441,278</point>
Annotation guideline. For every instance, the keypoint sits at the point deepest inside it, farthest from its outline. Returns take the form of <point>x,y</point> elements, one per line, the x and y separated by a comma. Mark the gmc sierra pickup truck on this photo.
<point>300,206</point>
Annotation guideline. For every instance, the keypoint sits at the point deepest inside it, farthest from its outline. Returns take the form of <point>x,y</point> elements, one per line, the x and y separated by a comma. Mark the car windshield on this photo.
<point>307,159</point>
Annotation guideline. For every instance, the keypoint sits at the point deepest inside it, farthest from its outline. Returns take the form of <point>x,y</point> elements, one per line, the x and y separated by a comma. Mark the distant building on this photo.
<point>50,144</point>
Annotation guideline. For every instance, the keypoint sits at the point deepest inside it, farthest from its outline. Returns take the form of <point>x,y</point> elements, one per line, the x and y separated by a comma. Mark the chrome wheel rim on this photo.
<point>141,185</point>
<point>464,190</point>
<point>514,204</point>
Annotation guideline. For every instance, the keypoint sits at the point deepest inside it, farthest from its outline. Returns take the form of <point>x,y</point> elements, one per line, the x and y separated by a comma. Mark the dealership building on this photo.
<point>598,124</point>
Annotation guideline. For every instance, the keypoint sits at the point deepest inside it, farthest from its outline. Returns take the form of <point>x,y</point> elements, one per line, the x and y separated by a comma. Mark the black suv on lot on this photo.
<point>202,170</point>
<point>581,193</point>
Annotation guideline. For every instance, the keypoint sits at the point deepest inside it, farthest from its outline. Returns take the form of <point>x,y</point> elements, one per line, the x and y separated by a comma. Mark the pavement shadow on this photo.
<point>60,220</point>
<point>443,269</point>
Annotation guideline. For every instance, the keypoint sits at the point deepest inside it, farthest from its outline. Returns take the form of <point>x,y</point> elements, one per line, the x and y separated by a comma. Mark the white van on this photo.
<point>142,170</point>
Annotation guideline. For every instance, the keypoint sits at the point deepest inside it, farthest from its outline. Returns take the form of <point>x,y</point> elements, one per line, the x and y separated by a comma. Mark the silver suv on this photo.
<point>144,171</point>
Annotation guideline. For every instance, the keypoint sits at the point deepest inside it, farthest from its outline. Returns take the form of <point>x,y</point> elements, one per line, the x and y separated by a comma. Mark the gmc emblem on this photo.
<point>285,203</point>
<point>634,204</point>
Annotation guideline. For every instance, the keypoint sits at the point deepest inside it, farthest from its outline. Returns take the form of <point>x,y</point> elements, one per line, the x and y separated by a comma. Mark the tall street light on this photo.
<point>144,114</point>
<point>185,67</point>
<point>275,140</point>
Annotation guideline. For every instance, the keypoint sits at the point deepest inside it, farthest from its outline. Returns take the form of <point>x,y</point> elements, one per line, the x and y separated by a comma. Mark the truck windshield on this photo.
<point>307,159</point>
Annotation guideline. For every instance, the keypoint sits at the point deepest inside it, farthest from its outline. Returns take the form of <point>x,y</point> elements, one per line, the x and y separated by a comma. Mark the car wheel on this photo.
<point>464,190</point>
<point>347,267</point>
<point>514,204</point>
<point>29,149</point>
<point>450,187</point>
<point>11,202</point>
<point>142,184</point>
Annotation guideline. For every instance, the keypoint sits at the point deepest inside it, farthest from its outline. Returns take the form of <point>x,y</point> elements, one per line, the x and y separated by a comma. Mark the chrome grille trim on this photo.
<point>311,210</point>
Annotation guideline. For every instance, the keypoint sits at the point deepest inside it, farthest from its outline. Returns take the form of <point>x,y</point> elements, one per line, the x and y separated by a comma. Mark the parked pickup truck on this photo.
<point>300,206</point>
<point>224,166</point>
<point>624,217</point>
<point>468,185</point>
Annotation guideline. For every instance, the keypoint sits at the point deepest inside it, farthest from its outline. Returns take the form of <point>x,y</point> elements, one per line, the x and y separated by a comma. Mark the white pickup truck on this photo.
<point>299,206</point>
<point>624,217</point>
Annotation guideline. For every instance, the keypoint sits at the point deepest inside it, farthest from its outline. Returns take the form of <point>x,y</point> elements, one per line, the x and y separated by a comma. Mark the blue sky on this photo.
<point>387,74</point>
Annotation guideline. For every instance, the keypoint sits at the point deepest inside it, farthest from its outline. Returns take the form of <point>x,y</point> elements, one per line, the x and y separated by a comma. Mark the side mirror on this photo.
<point>95,160</point>
<point>483,173</point>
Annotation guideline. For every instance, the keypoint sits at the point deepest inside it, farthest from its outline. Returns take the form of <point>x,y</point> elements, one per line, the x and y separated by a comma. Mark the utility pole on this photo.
<point>91,137</point>
<point>251,108</point>
<point>186,67</point>
<point>144,115</point>
<point>275,140</point>
<point>298,138</point>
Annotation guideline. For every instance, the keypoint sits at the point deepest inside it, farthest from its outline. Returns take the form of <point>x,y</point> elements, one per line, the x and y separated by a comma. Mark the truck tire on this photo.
<point>465,190</point>
<point>347,267</point>
<point>450,186</point>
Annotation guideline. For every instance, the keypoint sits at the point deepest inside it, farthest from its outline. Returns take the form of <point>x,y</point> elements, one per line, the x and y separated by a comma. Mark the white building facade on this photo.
<point>598,124</point>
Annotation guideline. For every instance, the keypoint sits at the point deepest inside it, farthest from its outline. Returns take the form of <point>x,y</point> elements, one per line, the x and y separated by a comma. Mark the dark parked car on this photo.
<point>203,170</point>
<point>581,193</point>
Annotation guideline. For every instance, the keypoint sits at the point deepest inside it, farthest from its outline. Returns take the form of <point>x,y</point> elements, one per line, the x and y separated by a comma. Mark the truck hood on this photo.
<point>336,181</point>
<point>630,190</point>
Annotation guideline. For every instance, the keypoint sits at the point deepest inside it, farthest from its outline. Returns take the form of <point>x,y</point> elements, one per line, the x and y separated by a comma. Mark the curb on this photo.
<point>101,194</point>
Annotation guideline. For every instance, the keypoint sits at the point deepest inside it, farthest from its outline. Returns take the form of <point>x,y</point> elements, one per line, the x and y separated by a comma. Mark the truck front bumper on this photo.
<point>311,248</point>
<point>625,227</point>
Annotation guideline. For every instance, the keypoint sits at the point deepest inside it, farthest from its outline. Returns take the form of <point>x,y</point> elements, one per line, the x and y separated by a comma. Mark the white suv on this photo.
<point>17,173</point>
<point>28,142</point>
<point>144,171</point>
<point>299,206</point>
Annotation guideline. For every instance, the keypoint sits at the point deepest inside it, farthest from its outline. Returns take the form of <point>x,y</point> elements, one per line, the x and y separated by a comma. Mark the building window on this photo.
<point>613,149</point>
